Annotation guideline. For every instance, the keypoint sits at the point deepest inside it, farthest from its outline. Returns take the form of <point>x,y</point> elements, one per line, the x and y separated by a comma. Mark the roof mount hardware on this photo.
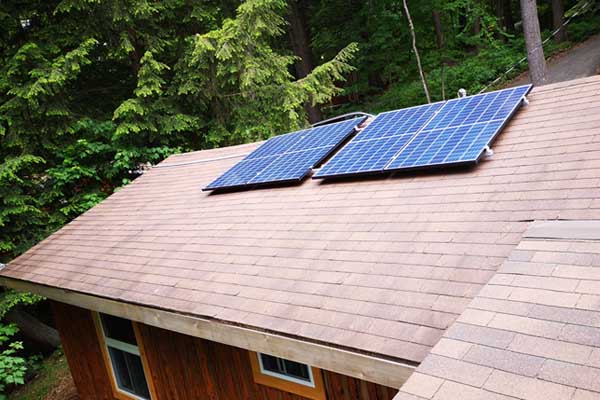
<point>525,101</point>
<point>488,152</point>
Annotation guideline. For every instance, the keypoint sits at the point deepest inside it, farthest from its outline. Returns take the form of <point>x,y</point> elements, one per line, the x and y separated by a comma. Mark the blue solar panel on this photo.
<point>456,131</point>
<point>289,165</point>
<point>373,148</point>
<point>287,157</point>
<point>276,145</point>
<point>241,173</point>
<point>461,130</point>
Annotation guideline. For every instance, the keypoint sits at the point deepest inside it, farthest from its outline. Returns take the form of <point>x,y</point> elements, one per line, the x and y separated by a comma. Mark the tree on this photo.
<point>416,51</point>
<point>503,11</point>
<point>533,41</point>
<point>298,32</point>
<point>558,17</point>
<point>92,92</point>
<point>508,21</point>
<point>439,32</point>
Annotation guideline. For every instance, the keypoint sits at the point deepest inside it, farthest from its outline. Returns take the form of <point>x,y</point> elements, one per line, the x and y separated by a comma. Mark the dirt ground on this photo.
<point>64,390</point>
<point>52,381</point>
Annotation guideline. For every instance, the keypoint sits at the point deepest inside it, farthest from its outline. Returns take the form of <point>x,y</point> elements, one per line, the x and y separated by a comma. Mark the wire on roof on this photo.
<point>201,161</point>
<point>342,117</point>
<point>327,121</point>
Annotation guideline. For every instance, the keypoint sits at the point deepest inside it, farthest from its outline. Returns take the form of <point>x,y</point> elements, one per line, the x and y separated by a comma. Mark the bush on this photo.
<point>12,366</point>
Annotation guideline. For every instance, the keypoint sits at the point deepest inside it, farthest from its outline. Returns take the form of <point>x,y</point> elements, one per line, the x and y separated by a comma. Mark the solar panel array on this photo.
<point>452,132</point>
<point>373,148</point>
<point>461,130</point>
<point>288,157</point>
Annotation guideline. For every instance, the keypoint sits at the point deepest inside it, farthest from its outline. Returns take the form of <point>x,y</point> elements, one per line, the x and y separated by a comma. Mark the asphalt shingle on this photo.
<point>381,265</point>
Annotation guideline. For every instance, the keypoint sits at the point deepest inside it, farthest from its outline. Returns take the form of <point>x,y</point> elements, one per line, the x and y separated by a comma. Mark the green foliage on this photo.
<point>235,74</point>
<point>93,92</point>
<point>11,298</point>
<point>12,367</point>
<point>476,49</point>
<point>49,374</point>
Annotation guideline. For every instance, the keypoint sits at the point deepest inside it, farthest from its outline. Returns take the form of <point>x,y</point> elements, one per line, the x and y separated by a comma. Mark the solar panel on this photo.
<point>452,132</point>
<point>373,148</point>
<point>288,157</point>
<point>289,165</point>
<point>461,130</point>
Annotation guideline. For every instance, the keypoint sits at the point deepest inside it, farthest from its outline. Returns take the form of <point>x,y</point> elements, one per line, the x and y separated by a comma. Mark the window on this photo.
<point>287,375</point>
<point>286,369</point>
<point>124,357</point>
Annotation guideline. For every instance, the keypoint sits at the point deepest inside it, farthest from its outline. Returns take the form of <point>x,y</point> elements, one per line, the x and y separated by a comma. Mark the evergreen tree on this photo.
<point>92,92</point>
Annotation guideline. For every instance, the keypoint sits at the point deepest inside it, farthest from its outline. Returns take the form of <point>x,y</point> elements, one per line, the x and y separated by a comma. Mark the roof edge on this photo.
<point>365,367</point>
<point>564,229</point>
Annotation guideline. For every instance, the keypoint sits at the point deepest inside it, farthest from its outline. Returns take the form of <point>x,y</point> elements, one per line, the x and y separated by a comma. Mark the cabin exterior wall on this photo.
<point>182,367</point>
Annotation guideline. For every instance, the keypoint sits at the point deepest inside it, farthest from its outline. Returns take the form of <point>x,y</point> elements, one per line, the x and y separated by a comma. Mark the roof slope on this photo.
<point>532,332</point>
<point>382,265</point>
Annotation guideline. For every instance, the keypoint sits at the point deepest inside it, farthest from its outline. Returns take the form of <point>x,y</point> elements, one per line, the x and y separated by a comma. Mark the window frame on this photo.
<point>314,389</point>
<point>311,379</point>
<point>138,350</point>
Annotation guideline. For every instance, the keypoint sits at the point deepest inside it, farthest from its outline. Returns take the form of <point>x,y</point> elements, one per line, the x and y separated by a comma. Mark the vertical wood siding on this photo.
<point>188,368</point>
<point>83,351</point>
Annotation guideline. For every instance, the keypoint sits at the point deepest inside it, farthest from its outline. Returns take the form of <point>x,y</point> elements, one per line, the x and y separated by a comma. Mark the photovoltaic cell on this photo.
<point>452,132</point>
<point>286,165</point>
<point>287,157</point>
<point>373,148</point>
<point>461,130</point>
<point>407,121</point>
<point>277,145</point>
<point>241,173</point>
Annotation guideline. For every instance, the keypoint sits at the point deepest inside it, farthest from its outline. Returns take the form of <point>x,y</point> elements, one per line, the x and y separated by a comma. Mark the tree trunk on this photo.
<point>416,51</point>
<point>476,32</point>
<point>503,11</point>
<point>499,12</point>
<point>477,26</point>
<point>533,41</point>
<point>509,22</point>
<point>300,44</point>
<point>439,33</point>
<point>33,328</point>
<point>558,16</point>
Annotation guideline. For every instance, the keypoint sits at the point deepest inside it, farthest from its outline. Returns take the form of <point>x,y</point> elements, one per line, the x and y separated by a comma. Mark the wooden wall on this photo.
<point>83,352</point>
<point>186,368</point>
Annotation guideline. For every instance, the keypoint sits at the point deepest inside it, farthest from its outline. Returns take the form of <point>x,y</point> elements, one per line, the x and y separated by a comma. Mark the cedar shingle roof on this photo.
<point>382,265</point>
<point>533,332</point>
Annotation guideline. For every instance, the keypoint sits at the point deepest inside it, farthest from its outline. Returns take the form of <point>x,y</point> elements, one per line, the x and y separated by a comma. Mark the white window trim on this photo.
<point>287,377</point>
<point>126,347</point>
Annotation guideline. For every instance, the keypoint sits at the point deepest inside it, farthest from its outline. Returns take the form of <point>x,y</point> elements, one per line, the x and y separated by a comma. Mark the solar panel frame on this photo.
<point>488,123</point>
<point>279,169</point>
<point>283,152</point>
<point>390,130</point>
<point>482,115</point>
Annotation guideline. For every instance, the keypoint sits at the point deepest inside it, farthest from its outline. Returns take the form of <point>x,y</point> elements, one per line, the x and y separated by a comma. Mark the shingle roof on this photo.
<point>381,265</point>
<point>533,332</point>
